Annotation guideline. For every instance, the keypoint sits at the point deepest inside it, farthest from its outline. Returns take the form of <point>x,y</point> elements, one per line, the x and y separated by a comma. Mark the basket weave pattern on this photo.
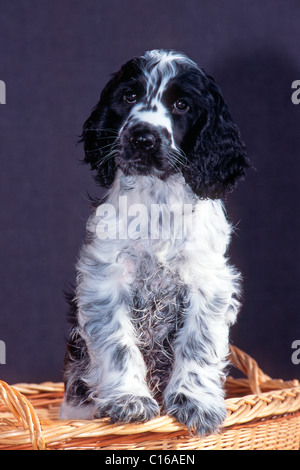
<point>262,413</point>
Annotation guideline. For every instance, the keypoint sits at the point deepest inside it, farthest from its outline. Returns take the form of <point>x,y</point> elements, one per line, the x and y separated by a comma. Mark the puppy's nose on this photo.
<point>143,141</point>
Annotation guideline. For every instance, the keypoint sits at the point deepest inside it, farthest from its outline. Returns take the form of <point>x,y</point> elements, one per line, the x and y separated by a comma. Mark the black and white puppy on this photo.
<point>155,293</point>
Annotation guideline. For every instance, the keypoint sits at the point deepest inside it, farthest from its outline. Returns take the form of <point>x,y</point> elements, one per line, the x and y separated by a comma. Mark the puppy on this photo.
<point>155,294</point>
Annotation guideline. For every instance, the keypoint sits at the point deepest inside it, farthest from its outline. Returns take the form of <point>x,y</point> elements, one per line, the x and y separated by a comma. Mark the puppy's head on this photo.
<point>162,114</point>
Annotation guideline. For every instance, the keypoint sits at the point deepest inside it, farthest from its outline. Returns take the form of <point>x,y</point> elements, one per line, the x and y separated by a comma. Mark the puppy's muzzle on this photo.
<point>143,148</point>
<point>142,140</point>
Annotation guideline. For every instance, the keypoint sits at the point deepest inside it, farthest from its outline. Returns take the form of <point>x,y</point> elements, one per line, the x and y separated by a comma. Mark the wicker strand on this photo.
<point>249,367</point>
<point>23,412</point>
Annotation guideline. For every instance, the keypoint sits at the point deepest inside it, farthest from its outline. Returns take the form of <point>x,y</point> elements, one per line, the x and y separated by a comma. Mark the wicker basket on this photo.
<point>262,414</point>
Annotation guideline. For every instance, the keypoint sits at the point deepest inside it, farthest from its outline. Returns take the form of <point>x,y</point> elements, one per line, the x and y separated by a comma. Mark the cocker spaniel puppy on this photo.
<point>155,293</point>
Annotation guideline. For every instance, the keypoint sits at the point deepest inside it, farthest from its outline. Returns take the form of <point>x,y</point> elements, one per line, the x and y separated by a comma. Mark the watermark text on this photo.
<point>2,92</point>
<point>296,354</point>
<point>139,221</point>
<point>2,352</point>
<point>296,94</point>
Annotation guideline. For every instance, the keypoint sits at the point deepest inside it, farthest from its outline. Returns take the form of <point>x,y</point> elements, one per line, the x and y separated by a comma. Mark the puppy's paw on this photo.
<point>200,419</point>
<point>129,409</point>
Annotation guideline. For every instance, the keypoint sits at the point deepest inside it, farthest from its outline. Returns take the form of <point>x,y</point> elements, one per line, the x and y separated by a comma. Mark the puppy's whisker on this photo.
<point>175,160</point>
<point>108,156</point>
<point>180,154</point>
<point>107,137</point>
<point>104,129</point>
<point>103,147</point>
<point>172,162</point>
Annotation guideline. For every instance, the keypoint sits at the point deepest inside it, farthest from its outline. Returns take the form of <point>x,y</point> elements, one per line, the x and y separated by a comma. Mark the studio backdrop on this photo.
<point>55,57</point>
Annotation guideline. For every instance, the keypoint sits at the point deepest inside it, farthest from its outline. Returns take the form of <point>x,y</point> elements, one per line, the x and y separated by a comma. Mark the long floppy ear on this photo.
<point>217,160</point>
<point>98,137</point>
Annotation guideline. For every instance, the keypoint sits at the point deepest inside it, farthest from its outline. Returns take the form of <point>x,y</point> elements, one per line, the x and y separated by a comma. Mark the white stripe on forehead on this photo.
<point>167,56</point>
<point>161,68</point>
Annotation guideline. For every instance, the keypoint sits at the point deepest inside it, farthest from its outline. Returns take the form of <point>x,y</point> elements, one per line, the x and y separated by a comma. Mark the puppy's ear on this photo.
<point>217,159</point>
<point>98,137</point>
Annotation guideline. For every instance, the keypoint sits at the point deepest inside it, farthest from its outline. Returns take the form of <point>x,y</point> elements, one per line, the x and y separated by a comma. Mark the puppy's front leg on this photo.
<point>194,394</point>
<point>116,373</point>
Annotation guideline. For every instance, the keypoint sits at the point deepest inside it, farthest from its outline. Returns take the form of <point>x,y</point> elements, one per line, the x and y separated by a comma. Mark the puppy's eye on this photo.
<point>130,98</point>
<point>180,107</point>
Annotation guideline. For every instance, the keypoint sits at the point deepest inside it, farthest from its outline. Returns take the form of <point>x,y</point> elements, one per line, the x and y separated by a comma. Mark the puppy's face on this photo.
<point>157,107</point>
<point>159,115</point>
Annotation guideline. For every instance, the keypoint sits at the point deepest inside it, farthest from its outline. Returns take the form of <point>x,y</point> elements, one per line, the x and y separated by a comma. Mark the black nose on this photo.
<point>143,141</point>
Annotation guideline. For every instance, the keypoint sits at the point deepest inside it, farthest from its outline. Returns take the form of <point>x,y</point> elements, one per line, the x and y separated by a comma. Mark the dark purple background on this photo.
<point>55,56</point>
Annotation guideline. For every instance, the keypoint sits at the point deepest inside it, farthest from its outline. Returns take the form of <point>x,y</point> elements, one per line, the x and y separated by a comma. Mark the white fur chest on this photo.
<point>164,217</point>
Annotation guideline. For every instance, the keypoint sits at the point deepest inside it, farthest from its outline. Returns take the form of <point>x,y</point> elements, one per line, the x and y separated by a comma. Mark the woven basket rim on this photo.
<point>271,398</point>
